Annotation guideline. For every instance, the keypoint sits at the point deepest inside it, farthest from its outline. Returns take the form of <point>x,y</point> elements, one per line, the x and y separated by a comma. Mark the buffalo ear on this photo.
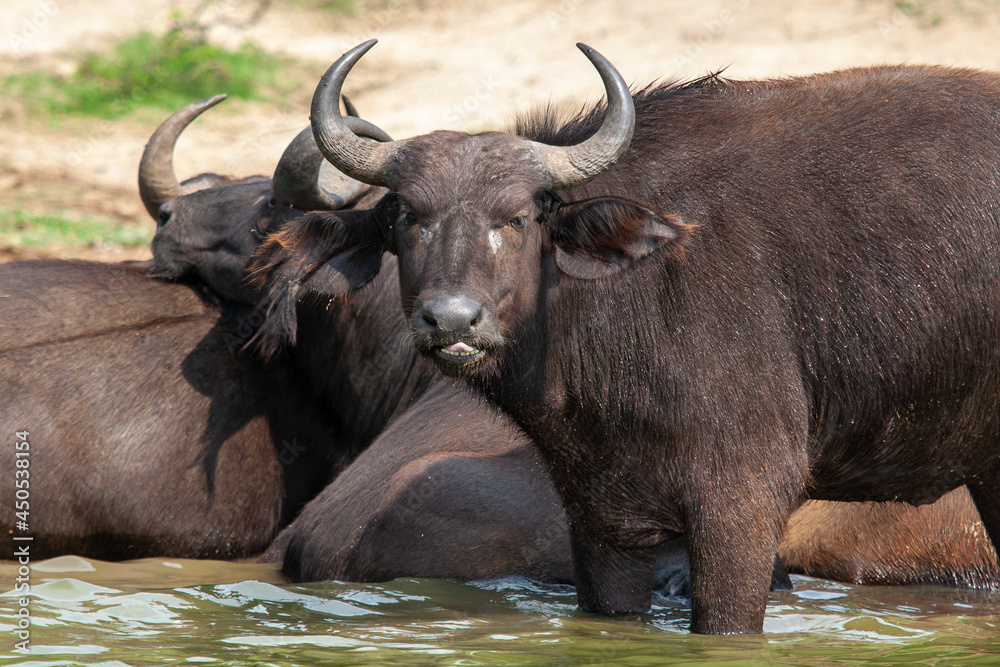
<point>598,237</point>
<point>319,254</point>
<point>345,272</point>
<point>332,252</point>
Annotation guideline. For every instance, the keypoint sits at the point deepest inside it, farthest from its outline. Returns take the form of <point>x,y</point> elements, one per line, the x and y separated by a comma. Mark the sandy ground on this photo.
<point>451,64</point>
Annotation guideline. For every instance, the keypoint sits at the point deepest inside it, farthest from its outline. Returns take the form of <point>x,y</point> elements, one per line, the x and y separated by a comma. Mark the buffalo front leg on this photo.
<point>732,563</point>
<point>611,579</point>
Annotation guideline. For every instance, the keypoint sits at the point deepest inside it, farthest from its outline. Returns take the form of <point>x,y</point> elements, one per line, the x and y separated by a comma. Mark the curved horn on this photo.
<point>296,179</point>
<point>570,166</point>
<point>349,108</point>
<point>360,159</point>
<point>157,182</point>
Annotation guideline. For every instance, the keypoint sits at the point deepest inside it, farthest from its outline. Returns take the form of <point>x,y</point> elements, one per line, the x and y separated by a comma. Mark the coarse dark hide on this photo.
<point>781,290</point>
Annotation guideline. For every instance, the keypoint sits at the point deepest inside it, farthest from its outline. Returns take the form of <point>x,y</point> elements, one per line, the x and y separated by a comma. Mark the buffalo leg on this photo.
<point>732,565</point>
<point>673,571</point>
<point>780,581</point>
<point>986,495</point>
<point>610,579</point>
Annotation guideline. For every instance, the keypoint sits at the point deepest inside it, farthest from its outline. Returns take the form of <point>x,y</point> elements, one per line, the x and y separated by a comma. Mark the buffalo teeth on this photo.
<point>470,353</point>
<point>460,350</point>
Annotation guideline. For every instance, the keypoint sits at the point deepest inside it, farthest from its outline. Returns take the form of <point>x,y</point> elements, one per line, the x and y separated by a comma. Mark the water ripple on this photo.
<point>76,620</point>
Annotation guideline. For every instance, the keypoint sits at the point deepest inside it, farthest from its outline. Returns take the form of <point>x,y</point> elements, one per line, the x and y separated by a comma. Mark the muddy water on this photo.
<point>172,611</point>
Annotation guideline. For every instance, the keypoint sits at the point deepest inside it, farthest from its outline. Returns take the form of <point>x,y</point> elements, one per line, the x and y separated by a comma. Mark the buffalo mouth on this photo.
<point>459,358</point>
<point>459,353</point>
<point>163,269</point>
<point>169,263</point>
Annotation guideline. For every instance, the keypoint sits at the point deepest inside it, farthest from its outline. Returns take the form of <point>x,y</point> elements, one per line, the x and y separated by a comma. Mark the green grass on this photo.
<point>162,71</point>
<point>346,7</point>
<point>20,229</point>
<point>356,7</point>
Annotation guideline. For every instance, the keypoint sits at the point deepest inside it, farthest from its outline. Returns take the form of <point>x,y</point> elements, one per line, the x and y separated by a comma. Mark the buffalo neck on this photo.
<point>357,362</point>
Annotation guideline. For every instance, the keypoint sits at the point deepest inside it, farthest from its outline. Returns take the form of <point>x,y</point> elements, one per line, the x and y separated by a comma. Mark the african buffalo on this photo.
<point>784,289</point>
<point>149,432</point>
<point>119,381</point>
<point>451,489</point>
<point>486,475</point>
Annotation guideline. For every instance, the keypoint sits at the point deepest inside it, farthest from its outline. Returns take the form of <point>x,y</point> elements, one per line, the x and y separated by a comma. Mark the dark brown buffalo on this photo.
<point>451,489</point>
<point>150,432</point>
<point>784,289</point>
<point>120,381</point>
<point>489,510</point>
<point>431,497</point>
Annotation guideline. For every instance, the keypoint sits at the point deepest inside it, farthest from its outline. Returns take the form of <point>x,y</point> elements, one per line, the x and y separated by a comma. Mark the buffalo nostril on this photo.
<point>452,315</point>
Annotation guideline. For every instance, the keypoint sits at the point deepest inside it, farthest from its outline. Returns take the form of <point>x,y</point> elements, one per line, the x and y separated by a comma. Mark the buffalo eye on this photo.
<point>272,202</point>
<point>406,218</point>
<point>518,222</point>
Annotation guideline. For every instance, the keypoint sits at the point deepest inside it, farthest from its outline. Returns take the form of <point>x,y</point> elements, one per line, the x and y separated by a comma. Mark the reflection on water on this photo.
<point>174,611</point>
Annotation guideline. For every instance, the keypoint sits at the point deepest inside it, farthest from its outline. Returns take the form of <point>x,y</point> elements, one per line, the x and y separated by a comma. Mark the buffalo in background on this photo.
<point>151,433</point>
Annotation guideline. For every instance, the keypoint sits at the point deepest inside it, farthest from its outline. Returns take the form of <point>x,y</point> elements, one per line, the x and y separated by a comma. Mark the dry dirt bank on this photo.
<point>453,64</point>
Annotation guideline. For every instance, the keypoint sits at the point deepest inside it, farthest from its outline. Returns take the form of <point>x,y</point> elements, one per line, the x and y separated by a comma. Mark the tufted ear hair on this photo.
<point>598,237</point>
<point>323,254</point>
